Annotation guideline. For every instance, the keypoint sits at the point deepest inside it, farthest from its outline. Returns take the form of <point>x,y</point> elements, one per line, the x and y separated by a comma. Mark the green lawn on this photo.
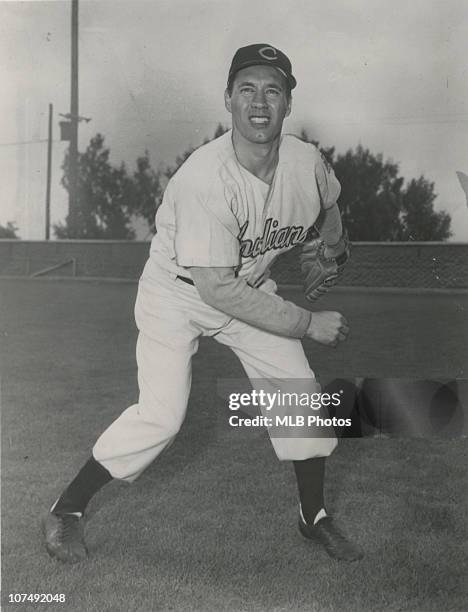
<point>211,526</point>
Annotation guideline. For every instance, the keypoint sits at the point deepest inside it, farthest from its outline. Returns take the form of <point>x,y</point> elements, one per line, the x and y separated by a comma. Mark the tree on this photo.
<point>419,217</point>
<point>9,230</point>
<point>370,199</point>
<point>109,198</point>
<point>104,196</point>
<point>376,204</point>
<point>147,191</point>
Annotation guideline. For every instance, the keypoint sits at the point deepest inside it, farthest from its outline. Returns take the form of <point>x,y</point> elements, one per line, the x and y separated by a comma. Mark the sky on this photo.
<point>391,76</point>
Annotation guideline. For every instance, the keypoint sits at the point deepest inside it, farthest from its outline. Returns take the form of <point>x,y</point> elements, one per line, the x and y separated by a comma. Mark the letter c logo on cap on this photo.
<point>268,53</point>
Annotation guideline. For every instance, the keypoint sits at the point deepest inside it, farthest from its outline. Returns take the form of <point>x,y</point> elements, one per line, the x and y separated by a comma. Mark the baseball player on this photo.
<point>231,209</point>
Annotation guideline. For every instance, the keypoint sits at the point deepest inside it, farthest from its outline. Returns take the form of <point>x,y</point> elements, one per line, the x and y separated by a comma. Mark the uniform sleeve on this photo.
<point>206,229</point>
<point>327,183</point>
<point>330,226</point>
<point>219,288</point>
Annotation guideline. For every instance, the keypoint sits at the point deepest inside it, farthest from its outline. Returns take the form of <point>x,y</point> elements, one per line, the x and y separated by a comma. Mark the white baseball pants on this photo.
<point>171,317</point>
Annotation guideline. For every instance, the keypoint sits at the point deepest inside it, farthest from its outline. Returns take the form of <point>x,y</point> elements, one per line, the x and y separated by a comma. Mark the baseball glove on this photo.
<point>320,272</point>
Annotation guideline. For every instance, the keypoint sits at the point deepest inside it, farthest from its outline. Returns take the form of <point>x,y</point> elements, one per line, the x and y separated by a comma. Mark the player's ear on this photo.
<point>288,108</point>
<point>227,100</point>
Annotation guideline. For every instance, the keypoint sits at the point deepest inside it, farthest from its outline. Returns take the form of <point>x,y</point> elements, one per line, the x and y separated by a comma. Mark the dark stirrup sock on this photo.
<point>310,475</point>
<point>92,477</point>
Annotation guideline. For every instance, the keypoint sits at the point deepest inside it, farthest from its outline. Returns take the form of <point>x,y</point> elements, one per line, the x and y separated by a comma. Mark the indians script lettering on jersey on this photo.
<point>272,238</point>
<point>216,213</point>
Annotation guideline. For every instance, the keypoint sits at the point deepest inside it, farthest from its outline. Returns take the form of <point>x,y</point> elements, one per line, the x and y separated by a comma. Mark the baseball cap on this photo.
<point>262,54</point>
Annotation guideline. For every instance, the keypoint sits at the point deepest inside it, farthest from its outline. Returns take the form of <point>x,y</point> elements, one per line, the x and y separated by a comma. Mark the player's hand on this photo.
<point>328,327</point>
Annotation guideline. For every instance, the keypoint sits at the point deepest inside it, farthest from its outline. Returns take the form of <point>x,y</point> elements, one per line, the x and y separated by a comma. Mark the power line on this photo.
<point>24,142</point>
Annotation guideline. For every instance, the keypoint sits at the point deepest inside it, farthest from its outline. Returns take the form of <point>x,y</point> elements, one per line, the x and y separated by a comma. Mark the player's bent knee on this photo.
<point>162,427</point>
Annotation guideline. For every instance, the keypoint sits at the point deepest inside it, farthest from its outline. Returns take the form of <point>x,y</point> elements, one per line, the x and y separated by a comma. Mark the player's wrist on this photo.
<point>308,323</point>
<point>310,328</point>
<point>337,248</point>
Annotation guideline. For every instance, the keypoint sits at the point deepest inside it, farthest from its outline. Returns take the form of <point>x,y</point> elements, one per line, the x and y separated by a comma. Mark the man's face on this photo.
<point>258,103</point>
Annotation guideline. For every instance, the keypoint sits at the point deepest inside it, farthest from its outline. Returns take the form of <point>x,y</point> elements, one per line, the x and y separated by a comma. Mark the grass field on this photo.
<point>211,526</point>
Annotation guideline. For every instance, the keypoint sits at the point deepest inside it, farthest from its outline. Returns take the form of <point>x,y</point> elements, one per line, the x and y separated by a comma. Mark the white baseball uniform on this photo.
<point>215,213</point>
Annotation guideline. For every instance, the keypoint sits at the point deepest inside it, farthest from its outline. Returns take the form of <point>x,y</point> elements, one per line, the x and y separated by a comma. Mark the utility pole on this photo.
<point>73,211</point>
<point>49,174</point>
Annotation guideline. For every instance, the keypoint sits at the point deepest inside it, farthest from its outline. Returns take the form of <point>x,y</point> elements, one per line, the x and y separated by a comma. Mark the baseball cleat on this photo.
<point>64,537</point>
<point>326,533</point>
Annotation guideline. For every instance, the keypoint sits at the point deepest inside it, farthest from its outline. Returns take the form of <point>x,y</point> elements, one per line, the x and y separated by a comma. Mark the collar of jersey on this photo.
<point>244,169</point>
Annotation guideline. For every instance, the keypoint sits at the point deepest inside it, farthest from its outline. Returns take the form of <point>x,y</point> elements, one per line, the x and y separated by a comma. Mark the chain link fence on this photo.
<point>414,264</point>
